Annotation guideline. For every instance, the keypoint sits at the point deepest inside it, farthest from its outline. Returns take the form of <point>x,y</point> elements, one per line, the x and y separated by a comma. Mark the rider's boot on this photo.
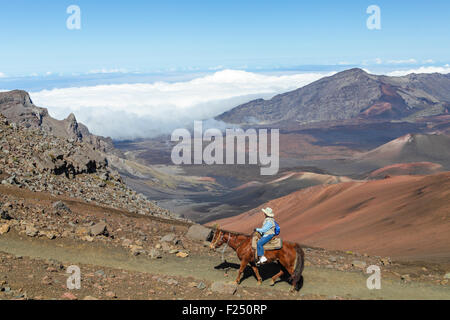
<point>262,260</point>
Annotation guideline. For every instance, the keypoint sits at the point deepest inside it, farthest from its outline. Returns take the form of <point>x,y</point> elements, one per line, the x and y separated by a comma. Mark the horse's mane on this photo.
<point>234,233</point>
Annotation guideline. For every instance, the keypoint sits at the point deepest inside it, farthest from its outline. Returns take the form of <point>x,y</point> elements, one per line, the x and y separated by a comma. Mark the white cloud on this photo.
<point>445,69</point>
<point>2,75</point>
<point>97,71</point>
<point>127,111</point>
<point>406,61</point>
<point>220,67</point>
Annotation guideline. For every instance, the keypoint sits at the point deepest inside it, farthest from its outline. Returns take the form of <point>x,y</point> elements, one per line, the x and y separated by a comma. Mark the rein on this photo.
<point>219,238</point>
<point>225,248</point>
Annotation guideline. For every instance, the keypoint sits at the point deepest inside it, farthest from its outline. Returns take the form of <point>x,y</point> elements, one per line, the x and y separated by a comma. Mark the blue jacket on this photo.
<point>268,227</point>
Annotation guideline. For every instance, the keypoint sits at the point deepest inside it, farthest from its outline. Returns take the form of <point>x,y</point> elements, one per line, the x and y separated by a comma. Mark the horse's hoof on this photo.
<point>272,283</point>
<point>259,283</point>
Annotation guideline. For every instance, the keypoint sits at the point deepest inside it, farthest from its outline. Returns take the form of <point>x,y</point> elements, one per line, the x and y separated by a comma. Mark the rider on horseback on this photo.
<point>267,232</point>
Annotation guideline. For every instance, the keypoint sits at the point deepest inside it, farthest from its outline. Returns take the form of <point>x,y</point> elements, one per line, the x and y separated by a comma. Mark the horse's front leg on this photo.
<point>241,270</point>
<point>256,271</point>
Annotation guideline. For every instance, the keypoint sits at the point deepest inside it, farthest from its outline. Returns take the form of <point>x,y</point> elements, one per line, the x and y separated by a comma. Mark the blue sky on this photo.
<point>149,36</point>
<point>141,68</point>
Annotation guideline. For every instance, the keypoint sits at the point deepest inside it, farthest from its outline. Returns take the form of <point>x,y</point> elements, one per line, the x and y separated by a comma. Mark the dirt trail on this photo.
<point>317,281</point>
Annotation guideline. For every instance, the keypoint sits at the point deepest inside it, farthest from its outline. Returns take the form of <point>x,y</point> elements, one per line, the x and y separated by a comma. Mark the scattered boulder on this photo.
<point>136,250</point>
<point>7,206</point>
<point>12,180</point>
<point>61,206</point>
<point>201,286</point>
<point>31,231</point>
<point>127,243</point>
<point>198,232</point>
<point>168,237</point>
<point>4,228</point>
<point>155,254</point>
<point>104,176</point>
<point>82,231</point>
<point>359,264</point>
<point>99,229</point>
<point>49,234</point>
<point>182,254</point>
<point>5,215</point>
<point>224,287</point>
<point>165,247</point>
<point>87,238</point>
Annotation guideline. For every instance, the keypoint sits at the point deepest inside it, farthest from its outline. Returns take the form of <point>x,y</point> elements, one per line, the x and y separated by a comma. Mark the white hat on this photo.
<point>268,212</point>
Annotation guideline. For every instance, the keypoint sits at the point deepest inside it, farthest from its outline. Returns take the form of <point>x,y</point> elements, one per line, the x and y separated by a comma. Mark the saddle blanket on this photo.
<point>274,244</point>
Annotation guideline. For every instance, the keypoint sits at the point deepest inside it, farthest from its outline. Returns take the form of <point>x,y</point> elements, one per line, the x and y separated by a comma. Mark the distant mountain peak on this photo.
<point>353,71</point>
<point>350,94</point>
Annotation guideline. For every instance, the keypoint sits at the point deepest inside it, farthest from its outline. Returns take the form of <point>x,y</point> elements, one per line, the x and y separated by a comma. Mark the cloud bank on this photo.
<point>129,111</point>
<point>430,69</point>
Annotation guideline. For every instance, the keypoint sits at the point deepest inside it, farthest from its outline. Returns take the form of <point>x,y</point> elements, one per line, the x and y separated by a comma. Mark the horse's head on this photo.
<point>218,239</point>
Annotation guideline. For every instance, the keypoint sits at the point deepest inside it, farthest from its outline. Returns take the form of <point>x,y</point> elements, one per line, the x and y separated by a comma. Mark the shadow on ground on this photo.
<point>266,271</point>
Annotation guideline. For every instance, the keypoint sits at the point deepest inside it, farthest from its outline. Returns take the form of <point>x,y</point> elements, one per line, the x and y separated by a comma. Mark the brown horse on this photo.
<point>291,256</point>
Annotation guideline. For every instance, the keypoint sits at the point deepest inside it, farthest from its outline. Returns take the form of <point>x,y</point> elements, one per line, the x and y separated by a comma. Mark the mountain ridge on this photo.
<point>350,94</point>
<point>18,108</point>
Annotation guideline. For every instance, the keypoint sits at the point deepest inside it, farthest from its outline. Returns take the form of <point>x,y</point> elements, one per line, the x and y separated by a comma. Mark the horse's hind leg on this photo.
<point>275,277</point>
<point>290,270</point>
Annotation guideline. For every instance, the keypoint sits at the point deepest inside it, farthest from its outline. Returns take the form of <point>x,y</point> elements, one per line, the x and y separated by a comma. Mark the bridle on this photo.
<point>220,238</point>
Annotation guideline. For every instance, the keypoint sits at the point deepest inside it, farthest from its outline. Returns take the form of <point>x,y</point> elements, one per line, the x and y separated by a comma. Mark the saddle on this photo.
<point>275,244</point>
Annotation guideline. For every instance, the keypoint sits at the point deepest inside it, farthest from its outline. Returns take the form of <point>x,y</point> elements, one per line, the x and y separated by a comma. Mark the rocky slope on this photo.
<point>18,108</point>
<point>350,94</point>
<point>40,162</point>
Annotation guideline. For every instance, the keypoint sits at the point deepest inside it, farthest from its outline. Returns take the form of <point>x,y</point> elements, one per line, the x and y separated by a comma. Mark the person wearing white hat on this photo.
<point>267,232</point>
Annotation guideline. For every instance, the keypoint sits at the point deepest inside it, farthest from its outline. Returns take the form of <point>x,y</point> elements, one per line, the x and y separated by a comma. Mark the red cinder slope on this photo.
<point>399,169</point>
<point>403,217</point>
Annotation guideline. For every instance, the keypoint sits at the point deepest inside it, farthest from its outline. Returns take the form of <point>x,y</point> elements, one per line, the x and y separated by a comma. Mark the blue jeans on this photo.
<point>262,242</point>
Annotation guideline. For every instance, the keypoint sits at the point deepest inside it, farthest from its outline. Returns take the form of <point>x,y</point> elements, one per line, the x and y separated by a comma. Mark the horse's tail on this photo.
<point>299,264</point>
